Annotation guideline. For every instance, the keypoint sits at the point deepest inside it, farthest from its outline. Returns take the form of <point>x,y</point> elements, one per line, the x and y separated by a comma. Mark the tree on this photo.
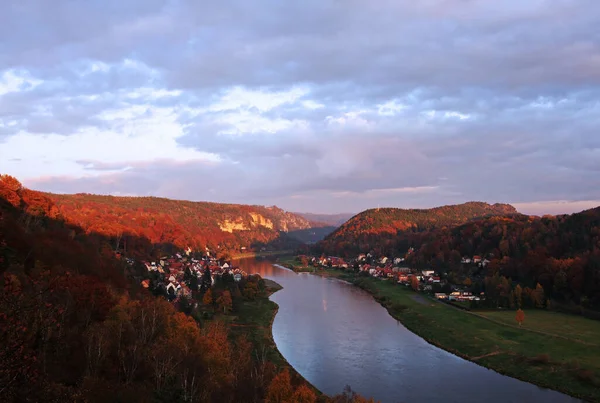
<point>520,317</point>
<point>280,389</point>
<point>225,302</point>
<point>414,283</point>
<point>537,296</point>
<point>206,281</point>
<point>304,394</point>
<point>208,298</point>
<point>518,294</point>
<point>250,290</point>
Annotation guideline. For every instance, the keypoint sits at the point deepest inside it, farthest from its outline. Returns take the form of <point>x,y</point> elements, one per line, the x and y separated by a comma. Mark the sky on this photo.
<point>322,106</point>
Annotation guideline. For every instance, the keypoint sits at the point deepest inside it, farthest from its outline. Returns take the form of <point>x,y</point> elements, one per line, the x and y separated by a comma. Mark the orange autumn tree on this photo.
<point>280,390</point>
<point>414,282</point>
<point>520,317</point>
<point>207,299</point>
<point>225,302</point>
<point>304,394</point>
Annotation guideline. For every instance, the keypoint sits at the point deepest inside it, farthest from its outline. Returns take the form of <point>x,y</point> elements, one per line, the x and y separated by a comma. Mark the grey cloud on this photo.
<point>493,61</point>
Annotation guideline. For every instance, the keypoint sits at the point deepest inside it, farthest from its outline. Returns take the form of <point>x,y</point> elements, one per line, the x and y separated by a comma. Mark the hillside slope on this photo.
<point>561,253</point>
<point>222,227</point>
<point>375,228</point>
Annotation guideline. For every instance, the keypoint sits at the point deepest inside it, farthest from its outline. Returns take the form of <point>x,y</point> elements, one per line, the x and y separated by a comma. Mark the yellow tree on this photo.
<point>520,317</point>
<point>518,293</point>
<point>537,296</point>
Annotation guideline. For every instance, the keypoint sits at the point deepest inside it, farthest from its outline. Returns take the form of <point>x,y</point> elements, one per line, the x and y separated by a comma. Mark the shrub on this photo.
<point>540,359</point>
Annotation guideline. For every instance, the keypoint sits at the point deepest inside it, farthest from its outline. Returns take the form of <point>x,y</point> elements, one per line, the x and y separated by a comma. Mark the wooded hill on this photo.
<point>378,228</point>
<point>76,327</point>
<point>561,253</point>
<point>223,228</point>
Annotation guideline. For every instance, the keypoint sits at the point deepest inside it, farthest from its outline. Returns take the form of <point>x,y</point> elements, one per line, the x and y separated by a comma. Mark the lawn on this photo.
<point>576,328</point>
<point>566,363</point>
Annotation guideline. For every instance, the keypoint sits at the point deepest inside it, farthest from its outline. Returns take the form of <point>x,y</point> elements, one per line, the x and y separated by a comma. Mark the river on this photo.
<point>335,334</point>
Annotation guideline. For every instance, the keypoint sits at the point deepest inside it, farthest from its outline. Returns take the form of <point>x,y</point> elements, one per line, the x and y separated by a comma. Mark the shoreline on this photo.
<point>274,287</point>
<point>444,346</point>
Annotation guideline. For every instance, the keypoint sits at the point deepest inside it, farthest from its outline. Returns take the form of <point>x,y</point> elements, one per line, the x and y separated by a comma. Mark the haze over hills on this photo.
<point>333,220</point>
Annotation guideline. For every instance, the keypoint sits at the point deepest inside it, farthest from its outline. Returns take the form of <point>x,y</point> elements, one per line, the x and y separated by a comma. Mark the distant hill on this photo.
<point>332,220</point>
<point>220,227</point>
<point>377,227</point>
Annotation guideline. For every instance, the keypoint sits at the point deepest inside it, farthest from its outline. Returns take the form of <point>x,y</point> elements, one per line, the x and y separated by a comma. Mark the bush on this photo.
<point>585,376</point>
<point>540,359</point>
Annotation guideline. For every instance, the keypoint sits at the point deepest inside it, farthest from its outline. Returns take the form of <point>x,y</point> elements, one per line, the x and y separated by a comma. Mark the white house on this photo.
<point>427,273</point>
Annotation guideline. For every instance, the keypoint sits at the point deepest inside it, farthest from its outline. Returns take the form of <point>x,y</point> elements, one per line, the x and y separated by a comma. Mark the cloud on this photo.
<point>319,106</point>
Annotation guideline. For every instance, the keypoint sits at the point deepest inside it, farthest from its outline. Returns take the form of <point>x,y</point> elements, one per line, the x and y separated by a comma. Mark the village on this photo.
<point>181,274</point>
<point>394,269</point>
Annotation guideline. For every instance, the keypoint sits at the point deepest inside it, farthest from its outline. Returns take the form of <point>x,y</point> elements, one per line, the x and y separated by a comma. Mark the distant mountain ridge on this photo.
<point>375,226</point>
<point>332,220</point>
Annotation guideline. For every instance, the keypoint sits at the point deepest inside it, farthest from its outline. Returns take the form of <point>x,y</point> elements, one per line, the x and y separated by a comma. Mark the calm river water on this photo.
<point>335,334</point>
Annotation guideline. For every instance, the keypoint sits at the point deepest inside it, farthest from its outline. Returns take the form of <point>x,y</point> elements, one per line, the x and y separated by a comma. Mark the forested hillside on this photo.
<point>223,228</point>
<point>76,327</point>
<point>378,228</point>
<point>72,327</point>
<point>561,253</point>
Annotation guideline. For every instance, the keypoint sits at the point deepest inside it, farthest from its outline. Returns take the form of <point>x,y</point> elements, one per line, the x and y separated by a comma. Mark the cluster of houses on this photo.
<point>457,296</point>
<point>478,260</point>
<point>393,269</point>
<point>172,269</point>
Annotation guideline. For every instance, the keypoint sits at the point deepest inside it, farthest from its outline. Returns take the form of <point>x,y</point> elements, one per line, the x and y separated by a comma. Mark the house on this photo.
<point>484,262</point>
<point>225,266</point>
<point>383,260</point>
<point>237,277</point>
<point>476,259</point>
<point>435,279</point>
<point>398,260</point>
<point>146,283</point>
<point>465,260</point>
<point>361,257</point>
<point>171,289</point>
<point>427,273</point>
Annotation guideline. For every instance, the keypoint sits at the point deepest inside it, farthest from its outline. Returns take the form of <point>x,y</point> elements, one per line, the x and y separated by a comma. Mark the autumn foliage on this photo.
<point>75,327</point>
<point>520,316</point>
<point>138,224</point>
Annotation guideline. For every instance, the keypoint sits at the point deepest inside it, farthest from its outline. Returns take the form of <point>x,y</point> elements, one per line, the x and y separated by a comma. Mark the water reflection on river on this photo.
<point>335,334</point>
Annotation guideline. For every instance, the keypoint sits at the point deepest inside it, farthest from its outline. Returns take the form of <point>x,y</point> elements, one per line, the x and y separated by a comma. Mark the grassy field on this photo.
<point>561,359</point>
<point>576,328</point>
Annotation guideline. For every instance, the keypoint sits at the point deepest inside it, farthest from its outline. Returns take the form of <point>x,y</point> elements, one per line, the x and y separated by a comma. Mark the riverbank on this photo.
<point>566,361</point>
<point>261,254</point>
<point>254,320</point>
